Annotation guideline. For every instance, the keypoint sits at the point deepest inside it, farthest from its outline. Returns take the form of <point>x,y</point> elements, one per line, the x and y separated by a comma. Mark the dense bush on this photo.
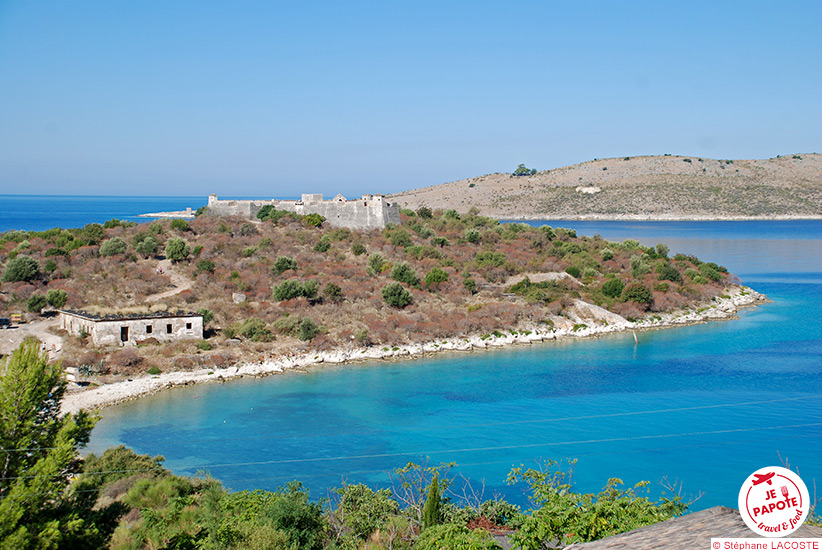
<point>36,303</point>
<point>435,277</point>
<point>284,263</point>
<point>404,273</point>
<point>251,329</point>
<point>56,297</point>
<point>179,224</point>
<point>113,246</point>
<point>637,292</point>
<point>21,268</point>
<point>395,295</point>
<point>205,266</point>
<point>667,272</point>
<point>613,287</point>
<point>177,250</point>
<point>455,537</point>
<point>292,288</point>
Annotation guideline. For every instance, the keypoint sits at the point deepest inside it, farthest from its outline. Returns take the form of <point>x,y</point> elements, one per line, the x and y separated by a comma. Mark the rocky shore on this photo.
<point>584,320</point>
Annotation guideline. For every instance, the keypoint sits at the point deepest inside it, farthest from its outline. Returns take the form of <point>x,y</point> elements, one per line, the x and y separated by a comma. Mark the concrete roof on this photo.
<point>688,531</point>
<point>128,316</point>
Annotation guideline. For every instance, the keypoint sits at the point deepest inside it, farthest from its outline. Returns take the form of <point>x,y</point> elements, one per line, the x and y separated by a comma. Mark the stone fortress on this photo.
<point>369,212</point>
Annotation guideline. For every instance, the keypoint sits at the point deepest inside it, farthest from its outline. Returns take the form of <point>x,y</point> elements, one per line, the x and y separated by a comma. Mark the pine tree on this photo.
<point>431,510</point>
<point>38,453</point>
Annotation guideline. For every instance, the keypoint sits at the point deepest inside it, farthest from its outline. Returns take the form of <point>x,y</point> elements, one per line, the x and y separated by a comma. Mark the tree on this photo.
<point>177,250</point>
<point>36,303</point>
<point>523,171</point>
<point>56,298</point>
<point>39,454</point>
<point>431,510</point>
<point>112,246</point>
<point>21,268</point>
<point>146,247</point>
<point>396,296</point>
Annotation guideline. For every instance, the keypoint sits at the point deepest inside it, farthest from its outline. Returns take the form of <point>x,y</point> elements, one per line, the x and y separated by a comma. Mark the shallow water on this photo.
<point>705,404</point>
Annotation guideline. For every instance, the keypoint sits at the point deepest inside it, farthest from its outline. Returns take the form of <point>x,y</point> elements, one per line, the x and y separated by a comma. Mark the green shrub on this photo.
<point>472,235</point>
<point>709,272</point>
<point>21,268</point>
<point>441,242</point>
<point>113,246</point>
<point>606,254</point>
<point>404,273</point>
<point>177,249</point>
<point>322,245</point>
<point>146,247</point>
<point>667,272</point>
<point>573,271</point>
<point>455,537</point>
<point>395,295</point>
<point>425,213</point>
<point>488,258</point>
<point>251,329</point>
<point>358,249</point>
<point>294,289</point>
<point>207,314</point>
<point>637,292</point>
<point>36,303</point>
<point>205,266</point>
<point>435,277</point>
<point>613,287</point>
<point>376,263</point>
<point>56,298</point>
<point>51,266</point>
<point>470,284</point>
<point>332,293</point>
<point>313,220</point>
<point>639,266</point>
<point>399,237</point>
<point>523,171</point>
<point>284,263</point>
<point>362,511</point>
<point>180,225</point>
<point>204,345</point>
<point>154,370</point>
<point>249,251</point>
<point>308,330</point>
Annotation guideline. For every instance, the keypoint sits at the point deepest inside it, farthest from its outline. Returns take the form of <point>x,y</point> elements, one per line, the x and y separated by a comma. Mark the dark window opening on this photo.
<point>188,326</point>
<point>168,328</point>
<point>148,329</point>
<point>124,334</point>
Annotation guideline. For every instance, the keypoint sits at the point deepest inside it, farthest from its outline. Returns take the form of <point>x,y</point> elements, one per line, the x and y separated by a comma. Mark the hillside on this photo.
<point>309,290</point>
<point>646,187</point>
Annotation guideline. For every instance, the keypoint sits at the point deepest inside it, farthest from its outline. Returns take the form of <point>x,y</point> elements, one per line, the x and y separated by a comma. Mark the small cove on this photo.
<point>704,404</point>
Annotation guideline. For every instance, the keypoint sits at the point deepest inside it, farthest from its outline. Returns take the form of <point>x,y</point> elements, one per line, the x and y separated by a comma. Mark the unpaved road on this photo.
<point>11,338</point>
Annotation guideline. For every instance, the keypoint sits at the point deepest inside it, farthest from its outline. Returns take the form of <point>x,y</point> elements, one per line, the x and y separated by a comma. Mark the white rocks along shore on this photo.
<point>582,320</point>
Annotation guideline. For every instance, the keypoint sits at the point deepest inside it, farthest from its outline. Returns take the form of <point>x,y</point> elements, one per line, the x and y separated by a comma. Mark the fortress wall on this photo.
<point>356,214</point>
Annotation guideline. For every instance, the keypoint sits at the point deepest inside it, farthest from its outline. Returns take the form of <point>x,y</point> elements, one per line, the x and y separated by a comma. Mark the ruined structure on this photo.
<point>128,329</point>
<point>369,212</point>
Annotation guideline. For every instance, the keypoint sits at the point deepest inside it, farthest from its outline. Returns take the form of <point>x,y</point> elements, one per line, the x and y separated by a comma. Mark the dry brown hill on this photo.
<point>647,187</point>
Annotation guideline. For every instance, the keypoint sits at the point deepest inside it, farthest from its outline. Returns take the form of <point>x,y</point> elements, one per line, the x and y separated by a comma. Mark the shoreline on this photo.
<point>720,308</point>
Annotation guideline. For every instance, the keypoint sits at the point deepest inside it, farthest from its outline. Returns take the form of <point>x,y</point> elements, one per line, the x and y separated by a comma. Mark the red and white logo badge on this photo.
<point>774,501</point>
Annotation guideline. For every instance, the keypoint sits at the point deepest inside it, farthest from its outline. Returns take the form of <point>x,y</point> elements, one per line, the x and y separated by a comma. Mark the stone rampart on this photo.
<point>369,212</point>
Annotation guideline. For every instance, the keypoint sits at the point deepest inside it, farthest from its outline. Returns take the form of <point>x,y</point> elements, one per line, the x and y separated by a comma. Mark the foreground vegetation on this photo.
<point>289,283</point>
<point>50,498</point>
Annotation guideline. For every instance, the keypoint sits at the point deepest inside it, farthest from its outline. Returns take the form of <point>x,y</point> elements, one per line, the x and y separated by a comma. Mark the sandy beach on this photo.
<point>585,321</point>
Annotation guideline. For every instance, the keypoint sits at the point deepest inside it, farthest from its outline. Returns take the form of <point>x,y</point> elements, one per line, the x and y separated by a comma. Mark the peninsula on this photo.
<point>289,290</point>
<point>666,187</point>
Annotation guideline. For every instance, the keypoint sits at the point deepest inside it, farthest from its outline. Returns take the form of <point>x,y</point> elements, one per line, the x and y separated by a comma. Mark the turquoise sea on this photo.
<point>704,405</point>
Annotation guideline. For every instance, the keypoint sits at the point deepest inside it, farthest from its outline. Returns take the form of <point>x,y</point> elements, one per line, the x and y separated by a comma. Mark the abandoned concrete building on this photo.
<point>129,329</point>
<point>369,212</point>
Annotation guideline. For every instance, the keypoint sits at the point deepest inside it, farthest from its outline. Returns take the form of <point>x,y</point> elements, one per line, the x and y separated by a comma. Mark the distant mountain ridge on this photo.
<point>666,187</point>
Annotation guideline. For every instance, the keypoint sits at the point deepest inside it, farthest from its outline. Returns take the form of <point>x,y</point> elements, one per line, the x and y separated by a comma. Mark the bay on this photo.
<point>704,405</point>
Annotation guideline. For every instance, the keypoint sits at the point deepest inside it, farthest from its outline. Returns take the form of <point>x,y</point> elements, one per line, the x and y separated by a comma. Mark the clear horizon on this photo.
<point>192,98</point>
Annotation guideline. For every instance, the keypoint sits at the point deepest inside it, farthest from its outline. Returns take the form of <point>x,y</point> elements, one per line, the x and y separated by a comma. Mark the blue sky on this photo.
<point>277,98</point>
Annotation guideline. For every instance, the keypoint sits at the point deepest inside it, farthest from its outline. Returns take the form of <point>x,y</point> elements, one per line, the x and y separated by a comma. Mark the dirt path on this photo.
<point>179,281</point>
<point>11,338</point>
